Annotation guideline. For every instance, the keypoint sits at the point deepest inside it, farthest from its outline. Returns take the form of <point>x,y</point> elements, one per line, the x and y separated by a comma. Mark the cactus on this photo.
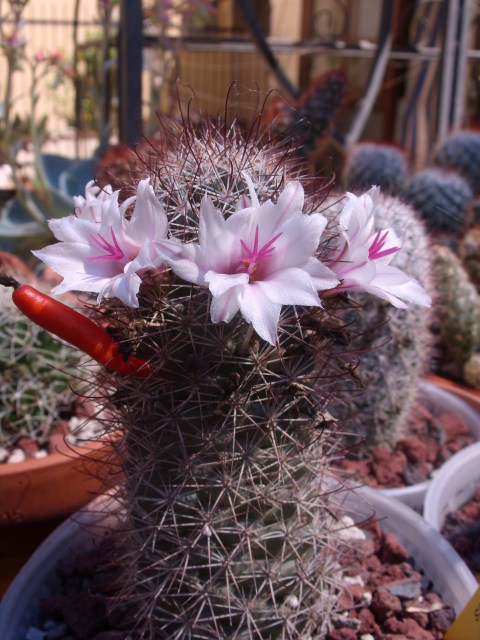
<point>441,198</point>
<point>375,164</point>
<point>471,371</point>
<point>309,119</point>
<point>470,254</point>
<point>37,376</point>
<point>230,520</point>
<point>394,344</point>
<point>460,152</point>
<point>208,277</point>
<point>458,310</point>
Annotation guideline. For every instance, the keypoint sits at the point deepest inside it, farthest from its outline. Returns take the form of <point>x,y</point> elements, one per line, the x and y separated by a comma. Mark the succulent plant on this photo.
<point>471,371</point>
<point>441,198</point>
<point>232,532</point>
<point>394,345</point>
<point>470,254</point>
<point>209,278</point>
<point>460,152</point>
<point>371,164</point>
<point>458,309</point>
<point>38,376</point>
<point>310,118</point>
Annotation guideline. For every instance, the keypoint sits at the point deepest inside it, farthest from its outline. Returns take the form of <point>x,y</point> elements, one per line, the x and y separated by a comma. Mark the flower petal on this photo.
<point>149,220</point>
<point>322,277</point>
<point>225,306</point>
<point>219,283</point>
<point>289,286</point>
<point>261,312</point>
<point>394,285</point>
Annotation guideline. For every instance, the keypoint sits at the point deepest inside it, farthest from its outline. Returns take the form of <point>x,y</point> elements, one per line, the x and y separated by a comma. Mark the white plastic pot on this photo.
<point>414,495</point>
<point>453,486</point>
<point>449,574</point>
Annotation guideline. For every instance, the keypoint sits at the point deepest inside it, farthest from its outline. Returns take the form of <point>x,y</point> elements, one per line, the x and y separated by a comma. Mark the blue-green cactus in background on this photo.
<point>442,199</point>
<point>376,164</point>
<point>460,152</point>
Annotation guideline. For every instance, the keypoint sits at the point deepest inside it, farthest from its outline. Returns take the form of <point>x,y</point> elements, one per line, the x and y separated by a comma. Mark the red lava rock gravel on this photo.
<point>388,598</point>
<point>431,441</point>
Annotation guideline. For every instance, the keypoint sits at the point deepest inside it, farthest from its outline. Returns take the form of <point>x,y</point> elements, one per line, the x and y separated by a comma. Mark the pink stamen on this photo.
<point>377,245</point>
<point>114,251</point>
<point>254,256</point>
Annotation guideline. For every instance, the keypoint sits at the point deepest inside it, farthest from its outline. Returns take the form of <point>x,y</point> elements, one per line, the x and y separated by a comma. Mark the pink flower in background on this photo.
<point>259,259</point>
<point>102,251</point>
<point>361,259</point>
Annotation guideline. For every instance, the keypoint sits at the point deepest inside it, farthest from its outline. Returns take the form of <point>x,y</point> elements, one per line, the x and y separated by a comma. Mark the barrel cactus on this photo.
<point>441,198</point>
<point>232,527</point>
<point>460,152</point>
<point>371,164</point>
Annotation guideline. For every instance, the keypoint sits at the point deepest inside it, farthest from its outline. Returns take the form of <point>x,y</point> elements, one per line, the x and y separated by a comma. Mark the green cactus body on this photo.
<point>460,152</point>
<point>470,254</point>
<point>442,199</point>
<point>230,519</point>
<point>458,310</point>
<point>394,345</point>
<point>372,164</point>
<point>471,371</point>
<point>37,372</point>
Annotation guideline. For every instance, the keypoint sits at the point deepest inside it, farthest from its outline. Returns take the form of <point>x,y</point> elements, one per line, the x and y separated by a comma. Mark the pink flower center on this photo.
<point>252,257</point>
<point>375,251</point>
<point>112,249</point>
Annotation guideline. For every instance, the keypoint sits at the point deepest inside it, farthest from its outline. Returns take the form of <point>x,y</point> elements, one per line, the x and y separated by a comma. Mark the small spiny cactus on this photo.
<point>471,371</point>
<point>458,309</point>
<point>470,254</point>
<point>209,278</point>
<point>394,345</point>
<point>375,164</point>
<point>230,515</point>
<point>38,377</point>
<point>460,152</point>
<point>441,198</point>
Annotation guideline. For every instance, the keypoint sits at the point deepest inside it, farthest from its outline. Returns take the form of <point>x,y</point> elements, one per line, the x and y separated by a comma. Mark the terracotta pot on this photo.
<point>442,565</point>
<point>470,396</point>
<point>51,487</point>
<point>38,494</point>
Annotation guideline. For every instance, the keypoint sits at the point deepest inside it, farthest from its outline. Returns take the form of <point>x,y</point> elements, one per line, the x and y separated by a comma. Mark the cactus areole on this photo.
<point>75,328</point>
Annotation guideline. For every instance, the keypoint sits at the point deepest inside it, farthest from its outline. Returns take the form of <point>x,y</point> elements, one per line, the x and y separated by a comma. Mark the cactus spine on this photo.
<point>230,519</point>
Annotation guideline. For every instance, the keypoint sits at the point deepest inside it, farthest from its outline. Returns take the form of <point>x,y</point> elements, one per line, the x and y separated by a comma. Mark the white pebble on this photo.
<point>41,453</point>
<point>17,455</point>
